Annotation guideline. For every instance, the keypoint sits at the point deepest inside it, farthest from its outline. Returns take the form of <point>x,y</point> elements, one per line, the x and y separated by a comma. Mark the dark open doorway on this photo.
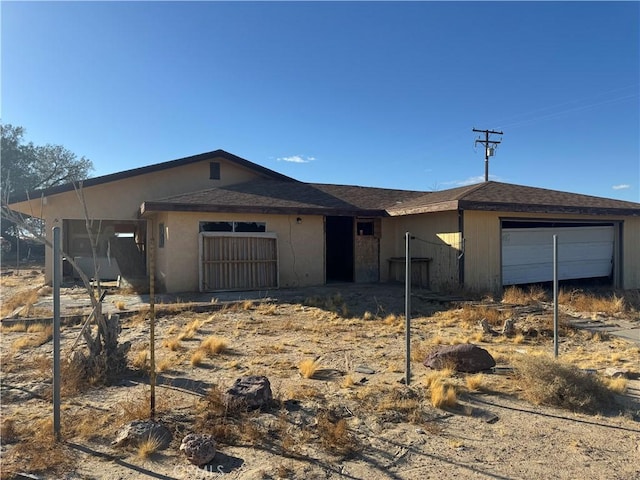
<point>339,245</point>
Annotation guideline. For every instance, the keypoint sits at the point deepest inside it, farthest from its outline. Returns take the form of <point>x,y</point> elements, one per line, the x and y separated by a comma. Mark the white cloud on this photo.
<point>296,159</point>
<point>622,186</point>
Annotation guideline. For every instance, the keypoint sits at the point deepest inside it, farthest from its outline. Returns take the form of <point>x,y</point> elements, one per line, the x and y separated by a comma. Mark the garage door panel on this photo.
<point>583,252</point>
<point>238,262</point>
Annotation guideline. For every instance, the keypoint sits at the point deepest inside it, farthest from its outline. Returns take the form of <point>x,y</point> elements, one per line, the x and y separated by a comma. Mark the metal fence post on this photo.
<point>407,306</point>
<point>57,278</point>
<point>555,296</point>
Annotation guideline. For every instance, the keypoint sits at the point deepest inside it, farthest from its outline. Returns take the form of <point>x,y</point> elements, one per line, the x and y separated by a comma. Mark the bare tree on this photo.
<point>106,357</point>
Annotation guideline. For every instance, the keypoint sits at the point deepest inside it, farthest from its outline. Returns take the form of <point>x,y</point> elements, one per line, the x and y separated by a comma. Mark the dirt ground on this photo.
<point>356,336</point>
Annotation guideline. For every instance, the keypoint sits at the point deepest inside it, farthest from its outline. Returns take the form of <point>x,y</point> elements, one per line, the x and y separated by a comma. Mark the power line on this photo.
<point>489,148</point>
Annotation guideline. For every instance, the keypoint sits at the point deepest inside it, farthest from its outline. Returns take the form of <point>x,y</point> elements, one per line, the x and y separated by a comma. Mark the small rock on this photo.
<point>252,392</point>
<point>138,431</point>
<point>364,369</point>
<point>465,357</point>
<point>199,448</point>
<point>616,372</point>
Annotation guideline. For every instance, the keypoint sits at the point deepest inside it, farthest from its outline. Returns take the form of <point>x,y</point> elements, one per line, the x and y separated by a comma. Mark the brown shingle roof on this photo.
<point>272,196</point>
<point>497,196</point>
<point>67,187</point>
<point>293,197</point>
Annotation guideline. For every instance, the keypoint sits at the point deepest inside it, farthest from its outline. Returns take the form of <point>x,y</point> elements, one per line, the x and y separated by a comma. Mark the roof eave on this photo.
<point>149,207</point>
<point>431,208</point>
<point>559,209</point>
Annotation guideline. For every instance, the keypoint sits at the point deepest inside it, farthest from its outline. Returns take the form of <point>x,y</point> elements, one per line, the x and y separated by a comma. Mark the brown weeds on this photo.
<point>546,381</point>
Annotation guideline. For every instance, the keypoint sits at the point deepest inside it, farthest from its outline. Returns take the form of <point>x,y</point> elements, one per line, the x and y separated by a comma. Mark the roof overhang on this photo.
<point>150,207</point>
<point>556,209</point>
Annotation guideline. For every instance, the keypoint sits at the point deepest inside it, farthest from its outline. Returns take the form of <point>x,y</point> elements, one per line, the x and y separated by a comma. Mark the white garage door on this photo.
<point>583,252</point>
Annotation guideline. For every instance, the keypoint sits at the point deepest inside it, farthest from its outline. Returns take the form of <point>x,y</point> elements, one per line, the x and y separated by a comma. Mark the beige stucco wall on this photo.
<point>482,262</point>
<point>436,237</point>
<point>121,199</point>
<point>300,248</point>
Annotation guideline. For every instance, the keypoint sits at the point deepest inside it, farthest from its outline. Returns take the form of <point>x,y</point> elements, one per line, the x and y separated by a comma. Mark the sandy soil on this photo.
<point>393,431</point>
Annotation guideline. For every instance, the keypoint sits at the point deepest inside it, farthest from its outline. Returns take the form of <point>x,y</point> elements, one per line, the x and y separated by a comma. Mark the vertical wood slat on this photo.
<point>239,262</point>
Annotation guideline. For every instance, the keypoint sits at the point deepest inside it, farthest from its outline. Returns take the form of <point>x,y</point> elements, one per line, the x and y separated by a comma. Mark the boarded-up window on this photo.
<point>238,261</point>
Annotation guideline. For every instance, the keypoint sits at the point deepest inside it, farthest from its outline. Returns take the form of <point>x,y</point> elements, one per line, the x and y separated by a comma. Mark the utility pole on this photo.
<point>489,148</point>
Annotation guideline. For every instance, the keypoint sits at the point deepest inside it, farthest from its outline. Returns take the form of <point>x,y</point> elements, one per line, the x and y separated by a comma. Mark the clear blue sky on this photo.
<point>366,93</point>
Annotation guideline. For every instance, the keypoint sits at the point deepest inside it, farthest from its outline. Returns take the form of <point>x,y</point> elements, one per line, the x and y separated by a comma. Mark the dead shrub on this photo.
<point>517,296</point>
<point>546,381</point>
<point>471,315</point>
<point>38,453</point>
<point>136,407</point>
<point>335,435</point>
<point>609,304</point>
<point>8,431</point>
<point>25,298</point>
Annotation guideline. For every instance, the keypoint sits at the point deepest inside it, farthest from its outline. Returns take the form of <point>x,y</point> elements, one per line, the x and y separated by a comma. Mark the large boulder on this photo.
<point>139,431</point>
<point>464,357</point>
<point>199,448</point>
<point>251,392</point>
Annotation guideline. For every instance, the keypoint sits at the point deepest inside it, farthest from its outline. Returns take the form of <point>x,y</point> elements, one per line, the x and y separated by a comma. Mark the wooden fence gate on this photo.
<point>240,261</point>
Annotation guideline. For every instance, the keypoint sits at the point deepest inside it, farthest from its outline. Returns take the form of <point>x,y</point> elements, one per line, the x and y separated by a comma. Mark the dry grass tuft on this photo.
<point>443,395</point>
<point>141,360</point>
<point>617,385</point>
<point>247,305</point>
<point>546,381</point>
<point>471,315</point>
<point>16,327</point>
<point>390,319</point>
<point>474,382</point>
<point>517,296</point>
<point>592,302</point>
<point>214,345</point>
<point>347,381</point>
<point>148,448</point>
<point>165,364</point>
<point>198,357</point>
<point>308,367</point>
<point>45,334</point>
<point>172,344</point>
<point>268,309</point>
<point>24,299</point>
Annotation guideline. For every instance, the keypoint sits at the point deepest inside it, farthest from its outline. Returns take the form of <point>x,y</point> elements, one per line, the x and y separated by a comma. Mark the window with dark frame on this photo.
<point>233,227</point>
<point>214,170</point>
<point>365,228</point>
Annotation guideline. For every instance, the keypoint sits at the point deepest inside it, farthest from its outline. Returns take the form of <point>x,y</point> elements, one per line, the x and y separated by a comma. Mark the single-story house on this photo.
<point>215,221</point>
